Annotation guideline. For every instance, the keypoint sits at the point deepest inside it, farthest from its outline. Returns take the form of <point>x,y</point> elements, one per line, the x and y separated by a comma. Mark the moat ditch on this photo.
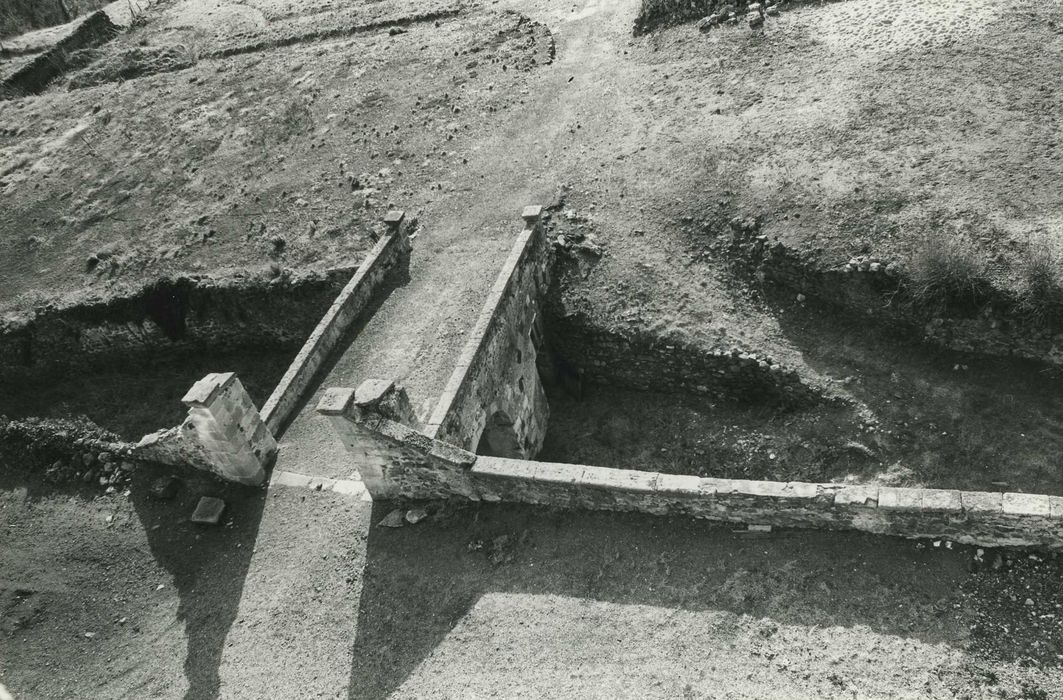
<point>872,403</point>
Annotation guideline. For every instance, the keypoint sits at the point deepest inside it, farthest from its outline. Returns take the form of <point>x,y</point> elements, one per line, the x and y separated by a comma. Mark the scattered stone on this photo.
<point>208,511</point>
<point>393,519</point>
<point>416,515</point>
<point>164,488</point>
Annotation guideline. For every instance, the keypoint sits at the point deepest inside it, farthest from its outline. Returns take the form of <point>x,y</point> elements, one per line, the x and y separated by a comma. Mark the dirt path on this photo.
<point>418,331</point>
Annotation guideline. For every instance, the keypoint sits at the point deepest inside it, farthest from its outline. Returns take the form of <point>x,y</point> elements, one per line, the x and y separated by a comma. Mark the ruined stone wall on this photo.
<point>384,261</point>
<point>181,315</point>
<point>496,378</point>
<point>646,362</point>
<point>877,289</point>
<point>418,467</point>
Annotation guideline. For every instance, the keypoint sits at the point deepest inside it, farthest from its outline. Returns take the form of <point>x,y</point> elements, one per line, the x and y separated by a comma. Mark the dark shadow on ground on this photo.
<point>141,395</point>
<point>420,581</point>
<point>399,277</point>
<point>955,420</point>
<point>208,563</point>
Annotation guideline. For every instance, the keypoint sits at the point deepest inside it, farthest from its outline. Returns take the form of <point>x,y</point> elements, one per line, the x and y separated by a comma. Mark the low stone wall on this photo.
<point>408,464</point>
<point>496,385</point>
<point>66,451</point>
<point>389,254</point>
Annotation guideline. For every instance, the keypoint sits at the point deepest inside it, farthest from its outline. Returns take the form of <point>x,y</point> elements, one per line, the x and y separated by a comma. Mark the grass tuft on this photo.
<point>948,272</point>
<point>1041,283</point>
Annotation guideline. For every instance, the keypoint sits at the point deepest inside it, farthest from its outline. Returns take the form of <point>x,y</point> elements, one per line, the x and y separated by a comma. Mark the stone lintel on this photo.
<point>942,500</point>
<point>557,473</point>
<point>507,468</point>
<point>618,479</point>
<point>393,218</point>
<point>981,501</point>
<point>679,485</point>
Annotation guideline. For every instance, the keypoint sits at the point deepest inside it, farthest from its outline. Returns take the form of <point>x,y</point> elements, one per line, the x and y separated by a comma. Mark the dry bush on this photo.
<point>947,271</point>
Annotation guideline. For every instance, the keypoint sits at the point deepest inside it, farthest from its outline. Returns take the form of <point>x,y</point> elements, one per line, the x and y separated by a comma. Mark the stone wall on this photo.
<point>877,288</point>
<point>411,465</point>
<point>496,386</point>
<point>186,314</point>
<point>647,362</point>
<point>66,451</point>
<point>389,254</point>
<point>223,433</point>
<point>394,459</point>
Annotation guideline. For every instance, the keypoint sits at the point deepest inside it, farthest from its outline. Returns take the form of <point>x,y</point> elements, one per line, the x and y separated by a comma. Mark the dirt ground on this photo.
<point>218,137</point>
<point>119,596</point>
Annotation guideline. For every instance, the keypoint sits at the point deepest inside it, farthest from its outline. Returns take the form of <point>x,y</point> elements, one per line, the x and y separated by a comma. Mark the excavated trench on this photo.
<point>891,408</point>
<point>124,362</point>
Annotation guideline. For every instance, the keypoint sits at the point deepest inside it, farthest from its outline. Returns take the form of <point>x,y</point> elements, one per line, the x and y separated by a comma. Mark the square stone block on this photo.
<point>208,511</point>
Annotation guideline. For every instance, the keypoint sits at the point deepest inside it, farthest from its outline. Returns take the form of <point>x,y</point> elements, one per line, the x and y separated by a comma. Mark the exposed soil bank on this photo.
<point>137,397</point>
<point>982,318</point>
<point>36,74</point>
<point>164,319</point>
<point>584,349</point>
<point>19,16</point>
<point>915,416</point>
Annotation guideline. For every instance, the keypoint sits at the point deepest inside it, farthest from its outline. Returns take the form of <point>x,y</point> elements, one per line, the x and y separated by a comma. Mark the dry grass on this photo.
<point>1041,283</point>
<point>948,271</point>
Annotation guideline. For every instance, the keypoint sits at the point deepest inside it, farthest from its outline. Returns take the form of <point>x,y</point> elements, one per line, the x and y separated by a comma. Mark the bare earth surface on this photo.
<point>295,595</point>
<point>245,138</point>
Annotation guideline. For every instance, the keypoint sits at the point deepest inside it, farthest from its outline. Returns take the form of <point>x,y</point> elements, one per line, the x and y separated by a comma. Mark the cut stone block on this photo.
<point>208,511</point>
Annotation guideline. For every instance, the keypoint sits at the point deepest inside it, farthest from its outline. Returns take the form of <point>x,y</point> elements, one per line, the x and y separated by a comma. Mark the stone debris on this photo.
<point>395,518</point>
<point>208,511</point>
<point>416,515</point>
<point>164,488</point>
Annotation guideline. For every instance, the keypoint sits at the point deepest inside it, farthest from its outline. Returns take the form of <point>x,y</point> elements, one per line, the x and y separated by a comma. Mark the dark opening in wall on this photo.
<point>499,439</point>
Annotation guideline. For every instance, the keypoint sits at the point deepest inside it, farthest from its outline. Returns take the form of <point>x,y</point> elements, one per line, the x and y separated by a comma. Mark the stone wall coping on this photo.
<point>207,389</point>
<point>484,323</point>
<point>278,407</point>
<point>868,496</point>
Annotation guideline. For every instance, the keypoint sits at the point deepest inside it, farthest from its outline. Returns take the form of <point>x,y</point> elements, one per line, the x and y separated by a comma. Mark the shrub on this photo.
<point>949,272</point>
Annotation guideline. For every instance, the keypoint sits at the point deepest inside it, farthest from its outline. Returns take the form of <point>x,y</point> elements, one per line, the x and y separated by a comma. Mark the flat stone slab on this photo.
<point>208,511</point>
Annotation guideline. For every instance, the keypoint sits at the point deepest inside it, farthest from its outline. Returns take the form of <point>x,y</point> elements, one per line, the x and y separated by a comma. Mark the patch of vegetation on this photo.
<point>948,272</point>
<point>1040,292</point>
